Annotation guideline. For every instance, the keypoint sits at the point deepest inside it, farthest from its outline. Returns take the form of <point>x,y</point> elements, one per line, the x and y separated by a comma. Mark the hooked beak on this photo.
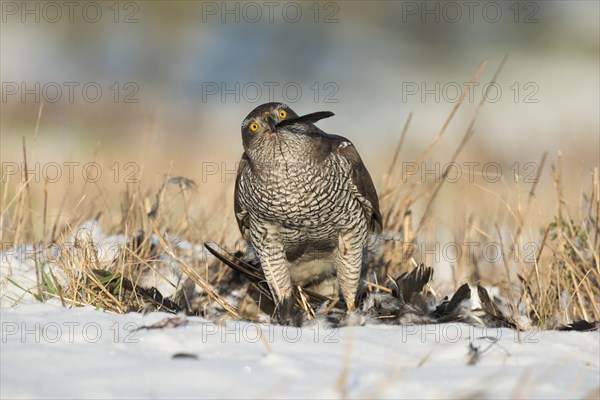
<point>271,122</point>
<point>307,119</point>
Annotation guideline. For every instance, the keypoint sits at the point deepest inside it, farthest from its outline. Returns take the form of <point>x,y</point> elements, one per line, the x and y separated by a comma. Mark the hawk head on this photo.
<point>272,120</point>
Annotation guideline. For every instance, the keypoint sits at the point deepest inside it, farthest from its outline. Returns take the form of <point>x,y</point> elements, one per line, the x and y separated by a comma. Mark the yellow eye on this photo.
<point>253,127</point>
<point>282,114</point>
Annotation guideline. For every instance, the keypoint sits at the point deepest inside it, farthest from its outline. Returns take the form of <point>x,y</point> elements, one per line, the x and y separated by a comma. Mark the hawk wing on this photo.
<point>241,215</point>
<point>365,190</point>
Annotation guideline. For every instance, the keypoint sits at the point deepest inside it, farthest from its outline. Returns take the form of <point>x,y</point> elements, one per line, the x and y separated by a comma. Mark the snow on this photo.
<point>51,351</point>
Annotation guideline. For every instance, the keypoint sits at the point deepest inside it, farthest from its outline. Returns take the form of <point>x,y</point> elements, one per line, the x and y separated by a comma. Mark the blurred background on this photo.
<point>142,89</point>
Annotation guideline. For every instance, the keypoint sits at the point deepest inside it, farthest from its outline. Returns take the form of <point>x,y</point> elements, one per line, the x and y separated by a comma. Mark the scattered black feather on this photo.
<point>493,316</point>
<point>581,326</point>
<point>448,310</point>
<point>154,296</point>
<point>473,354</point>
<point>412,283</point>
<point>180,356</point>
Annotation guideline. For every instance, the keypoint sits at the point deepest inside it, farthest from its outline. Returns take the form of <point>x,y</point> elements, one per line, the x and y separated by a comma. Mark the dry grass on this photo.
<point>559,283</point>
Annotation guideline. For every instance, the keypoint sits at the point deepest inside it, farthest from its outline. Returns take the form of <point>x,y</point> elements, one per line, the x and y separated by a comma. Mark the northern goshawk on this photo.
<point>305,203</point>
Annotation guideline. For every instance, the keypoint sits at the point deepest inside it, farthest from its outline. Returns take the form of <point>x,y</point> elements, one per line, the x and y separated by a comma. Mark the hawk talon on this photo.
<point>288,313</point>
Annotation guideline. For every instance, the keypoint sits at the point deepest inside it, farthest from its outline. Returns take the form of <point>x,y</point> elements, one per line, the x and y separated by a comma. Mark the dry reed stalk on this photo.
<point>197,279</point>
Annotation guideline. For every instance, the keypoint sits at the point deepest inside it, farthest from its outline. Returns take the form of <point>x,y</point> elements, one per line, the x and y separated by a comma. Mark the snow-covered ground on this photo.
<point>53,352</point>
<point>49,351</point>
